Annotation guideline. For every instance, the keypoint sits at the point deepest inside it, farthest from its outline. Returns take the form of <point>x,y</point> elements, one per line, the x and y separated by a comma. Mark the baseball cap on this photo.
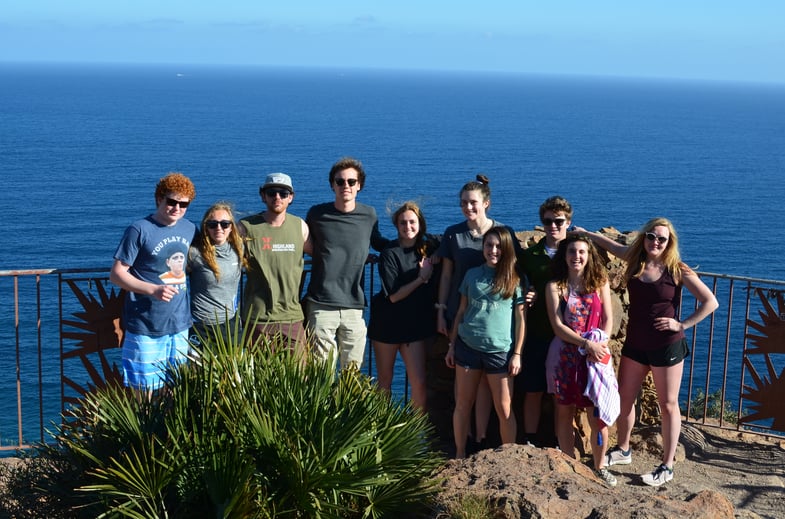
<point>278,180</point>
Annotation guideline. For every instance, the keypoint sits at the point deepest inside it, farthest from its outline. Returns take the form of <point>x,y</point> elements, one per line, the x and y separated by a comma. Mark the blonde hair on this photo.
<point>671,258</point>
<point>206,246</point>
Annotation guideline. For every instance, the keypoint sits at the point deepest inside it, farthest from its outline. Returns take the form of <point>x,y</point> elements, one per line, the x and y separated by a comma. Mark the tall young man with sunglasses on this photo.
<point>274,243</point>
<point>341,233</point>
<point>535,262</point>
<point>157,313</point>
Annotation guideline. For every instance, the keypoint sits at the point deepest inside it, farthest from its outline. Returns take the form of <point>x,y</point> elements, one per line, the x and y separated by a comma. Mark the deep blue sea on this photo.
<point>81,148</point>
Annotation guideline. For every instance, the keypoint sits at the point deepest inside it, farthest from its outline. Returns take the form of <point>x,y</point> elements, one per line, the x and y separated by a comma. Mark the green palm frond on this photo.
<point>247,430</point>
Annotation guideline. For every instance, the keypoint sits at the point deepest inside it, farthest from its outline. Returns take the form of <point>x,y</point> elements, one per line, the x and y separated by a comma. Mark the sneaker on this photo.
<point>606,477</point>
<point>659,476</point>
<point>616,456</point>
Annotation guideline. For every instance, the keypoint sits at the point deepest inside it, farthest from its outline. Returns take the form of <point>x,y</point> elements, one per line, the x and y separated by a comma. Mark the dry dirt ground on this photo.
<point>747,468</point>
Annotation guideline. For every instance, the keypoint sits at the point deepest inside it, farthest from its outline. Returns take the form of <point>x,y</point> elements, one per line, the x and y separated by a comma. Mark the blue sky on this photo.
<point>695,39</point>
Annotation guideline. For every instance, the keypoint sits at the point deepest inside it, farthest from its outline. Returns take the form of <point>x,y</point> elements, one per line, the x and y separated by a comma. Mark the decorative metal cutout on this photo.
<point>100,331</point>
<point>767,392</point>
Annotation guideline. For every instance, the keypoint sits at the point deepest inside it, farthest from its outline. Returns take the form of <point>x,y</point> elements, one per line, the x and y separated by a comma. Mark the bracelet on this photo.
<point>516,353</point>
<point>440,306</point>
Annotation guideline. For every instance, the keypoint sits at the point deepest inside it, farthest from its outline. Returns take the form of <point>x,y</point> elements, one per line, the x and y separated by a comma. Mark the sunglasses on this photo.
<point>213,224</point>
<point>547,222</point>
<point>340,182</point>
<point>282,193</point>
<point>171,202</point>
<point>660,239</point>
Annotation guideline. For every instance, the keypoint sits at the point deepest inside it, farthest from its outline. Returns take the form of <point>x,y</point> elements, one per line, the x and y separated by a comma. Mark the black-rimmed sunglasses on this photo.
<point>547,222</point>
<point>171,202</point>
<point>340,182</point>
<point>213,224</point>
<point>282,193</point>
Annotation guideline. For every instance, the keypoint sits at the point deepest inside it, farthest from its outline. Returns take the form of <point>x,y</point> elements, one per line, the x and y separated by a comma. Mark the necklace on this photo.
<point>482,229</point>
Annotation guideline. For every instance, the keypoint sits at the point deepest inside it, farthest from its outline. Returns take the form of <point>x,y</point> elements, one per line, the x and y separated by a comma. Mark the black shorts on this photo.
<point>661,358</point>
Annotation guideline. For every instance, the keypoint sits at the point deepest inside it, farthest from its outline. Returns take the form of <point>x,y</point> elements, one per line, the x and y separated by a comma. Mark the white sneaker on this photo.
<point>616,456</point>
<point>606,477</point>
<point>659,476</point>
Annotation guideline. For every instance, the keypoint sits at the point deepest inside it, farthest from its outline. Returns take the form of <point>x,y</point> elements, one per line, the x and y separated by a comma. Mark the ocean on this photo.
<point>82,146</point>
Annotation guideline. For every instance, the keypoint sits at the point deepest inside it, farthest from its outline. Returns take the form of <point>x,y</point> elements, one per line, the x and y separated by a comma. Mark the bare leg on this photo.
<point>500,385</point>
<point>414,358</point>
<point>385,362</point>
<point>466,382</point>
<point>631,375</point>
<point>483,404</point>
<point>667,381</point>
<point>599,439</point>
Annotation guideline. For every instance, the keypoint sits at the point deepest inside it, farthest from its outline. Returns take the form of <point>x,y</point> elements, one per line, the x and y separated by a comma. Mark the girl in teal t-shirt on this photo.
<point>487,336</point>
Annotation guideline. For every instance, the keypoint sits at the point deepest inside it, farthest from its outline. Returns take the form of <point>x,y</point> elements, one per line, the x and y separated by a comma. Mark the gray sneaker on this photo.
<point>616,456</point>
<point>606,477</point>
<point>659,476</point>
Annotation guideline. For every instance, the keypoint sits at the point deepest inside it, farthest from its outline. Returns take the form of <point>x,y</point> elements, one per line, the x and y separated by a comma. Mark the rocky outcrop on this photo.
<point>523,481</point>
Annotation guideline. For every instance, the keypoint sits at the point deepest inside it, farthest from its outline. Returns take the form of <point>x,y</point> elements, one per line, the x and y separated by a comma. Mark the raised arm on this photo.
<point>612,246</point>
<point>424,275</point>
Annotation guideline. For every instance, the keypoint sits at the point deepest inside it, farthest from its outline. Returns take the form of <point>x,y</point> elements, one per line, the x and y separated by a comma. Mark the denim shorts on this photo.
<point>671,355</point>
<point>469,358</point>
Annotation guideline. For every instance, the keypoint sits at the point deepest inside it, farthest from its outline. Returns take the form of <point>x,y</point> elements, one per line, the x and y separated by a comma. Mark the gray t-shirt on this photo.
<point>465,251</point>
<point>340,250</point>
<point>214,301</point>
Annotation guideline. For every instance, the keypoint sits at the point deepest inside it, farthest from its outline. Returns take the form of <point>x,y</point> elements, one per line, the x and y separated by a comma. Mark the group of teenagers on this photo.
<point>541,315</point>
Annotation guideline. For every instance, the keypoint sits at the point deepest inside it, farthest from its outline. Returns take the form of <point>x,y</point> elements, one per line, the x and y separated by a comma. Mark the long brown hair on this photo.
<point>505,278</point>
<point>206,246</point>
<point>419,241</point>
<point>671,258</point>
<point>594,273</point>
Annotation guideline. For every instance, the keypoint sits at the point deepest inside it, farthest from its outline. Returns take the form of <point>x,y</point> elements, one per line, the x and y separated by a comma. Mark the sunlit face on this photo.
<point>656,241</point>
<point>577,256</point>
<point>342,184</point>
<point>408,226</point>
<point>176,262</point>
<point>215,226</point>
<point>555,225</point>
<point>277,199</point>
<point>171,208</point>
<point>473,205</point>
<point>491,250</point>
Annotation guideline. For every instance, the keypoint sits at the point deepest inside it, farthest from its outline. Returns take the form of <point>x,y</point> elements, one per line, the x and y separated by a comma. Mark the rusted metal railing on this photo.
<point>735,377</point>
<point>59,337</point>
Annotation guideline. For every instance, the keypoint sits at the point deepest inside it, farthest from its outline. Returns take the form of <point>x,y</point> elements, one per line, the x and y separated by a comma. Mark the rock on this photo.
<point>524,481</point>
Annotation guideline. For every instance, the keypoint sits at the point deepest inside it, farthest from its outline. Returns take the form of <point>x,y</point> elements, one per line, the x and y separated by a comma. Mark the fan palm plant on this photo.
<point>244,431</point>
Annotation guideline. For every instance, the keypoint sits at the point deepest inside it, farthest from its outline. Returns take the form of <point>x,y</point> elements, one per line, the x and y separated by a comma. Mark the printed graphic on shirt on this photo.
<point>173,265</point>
